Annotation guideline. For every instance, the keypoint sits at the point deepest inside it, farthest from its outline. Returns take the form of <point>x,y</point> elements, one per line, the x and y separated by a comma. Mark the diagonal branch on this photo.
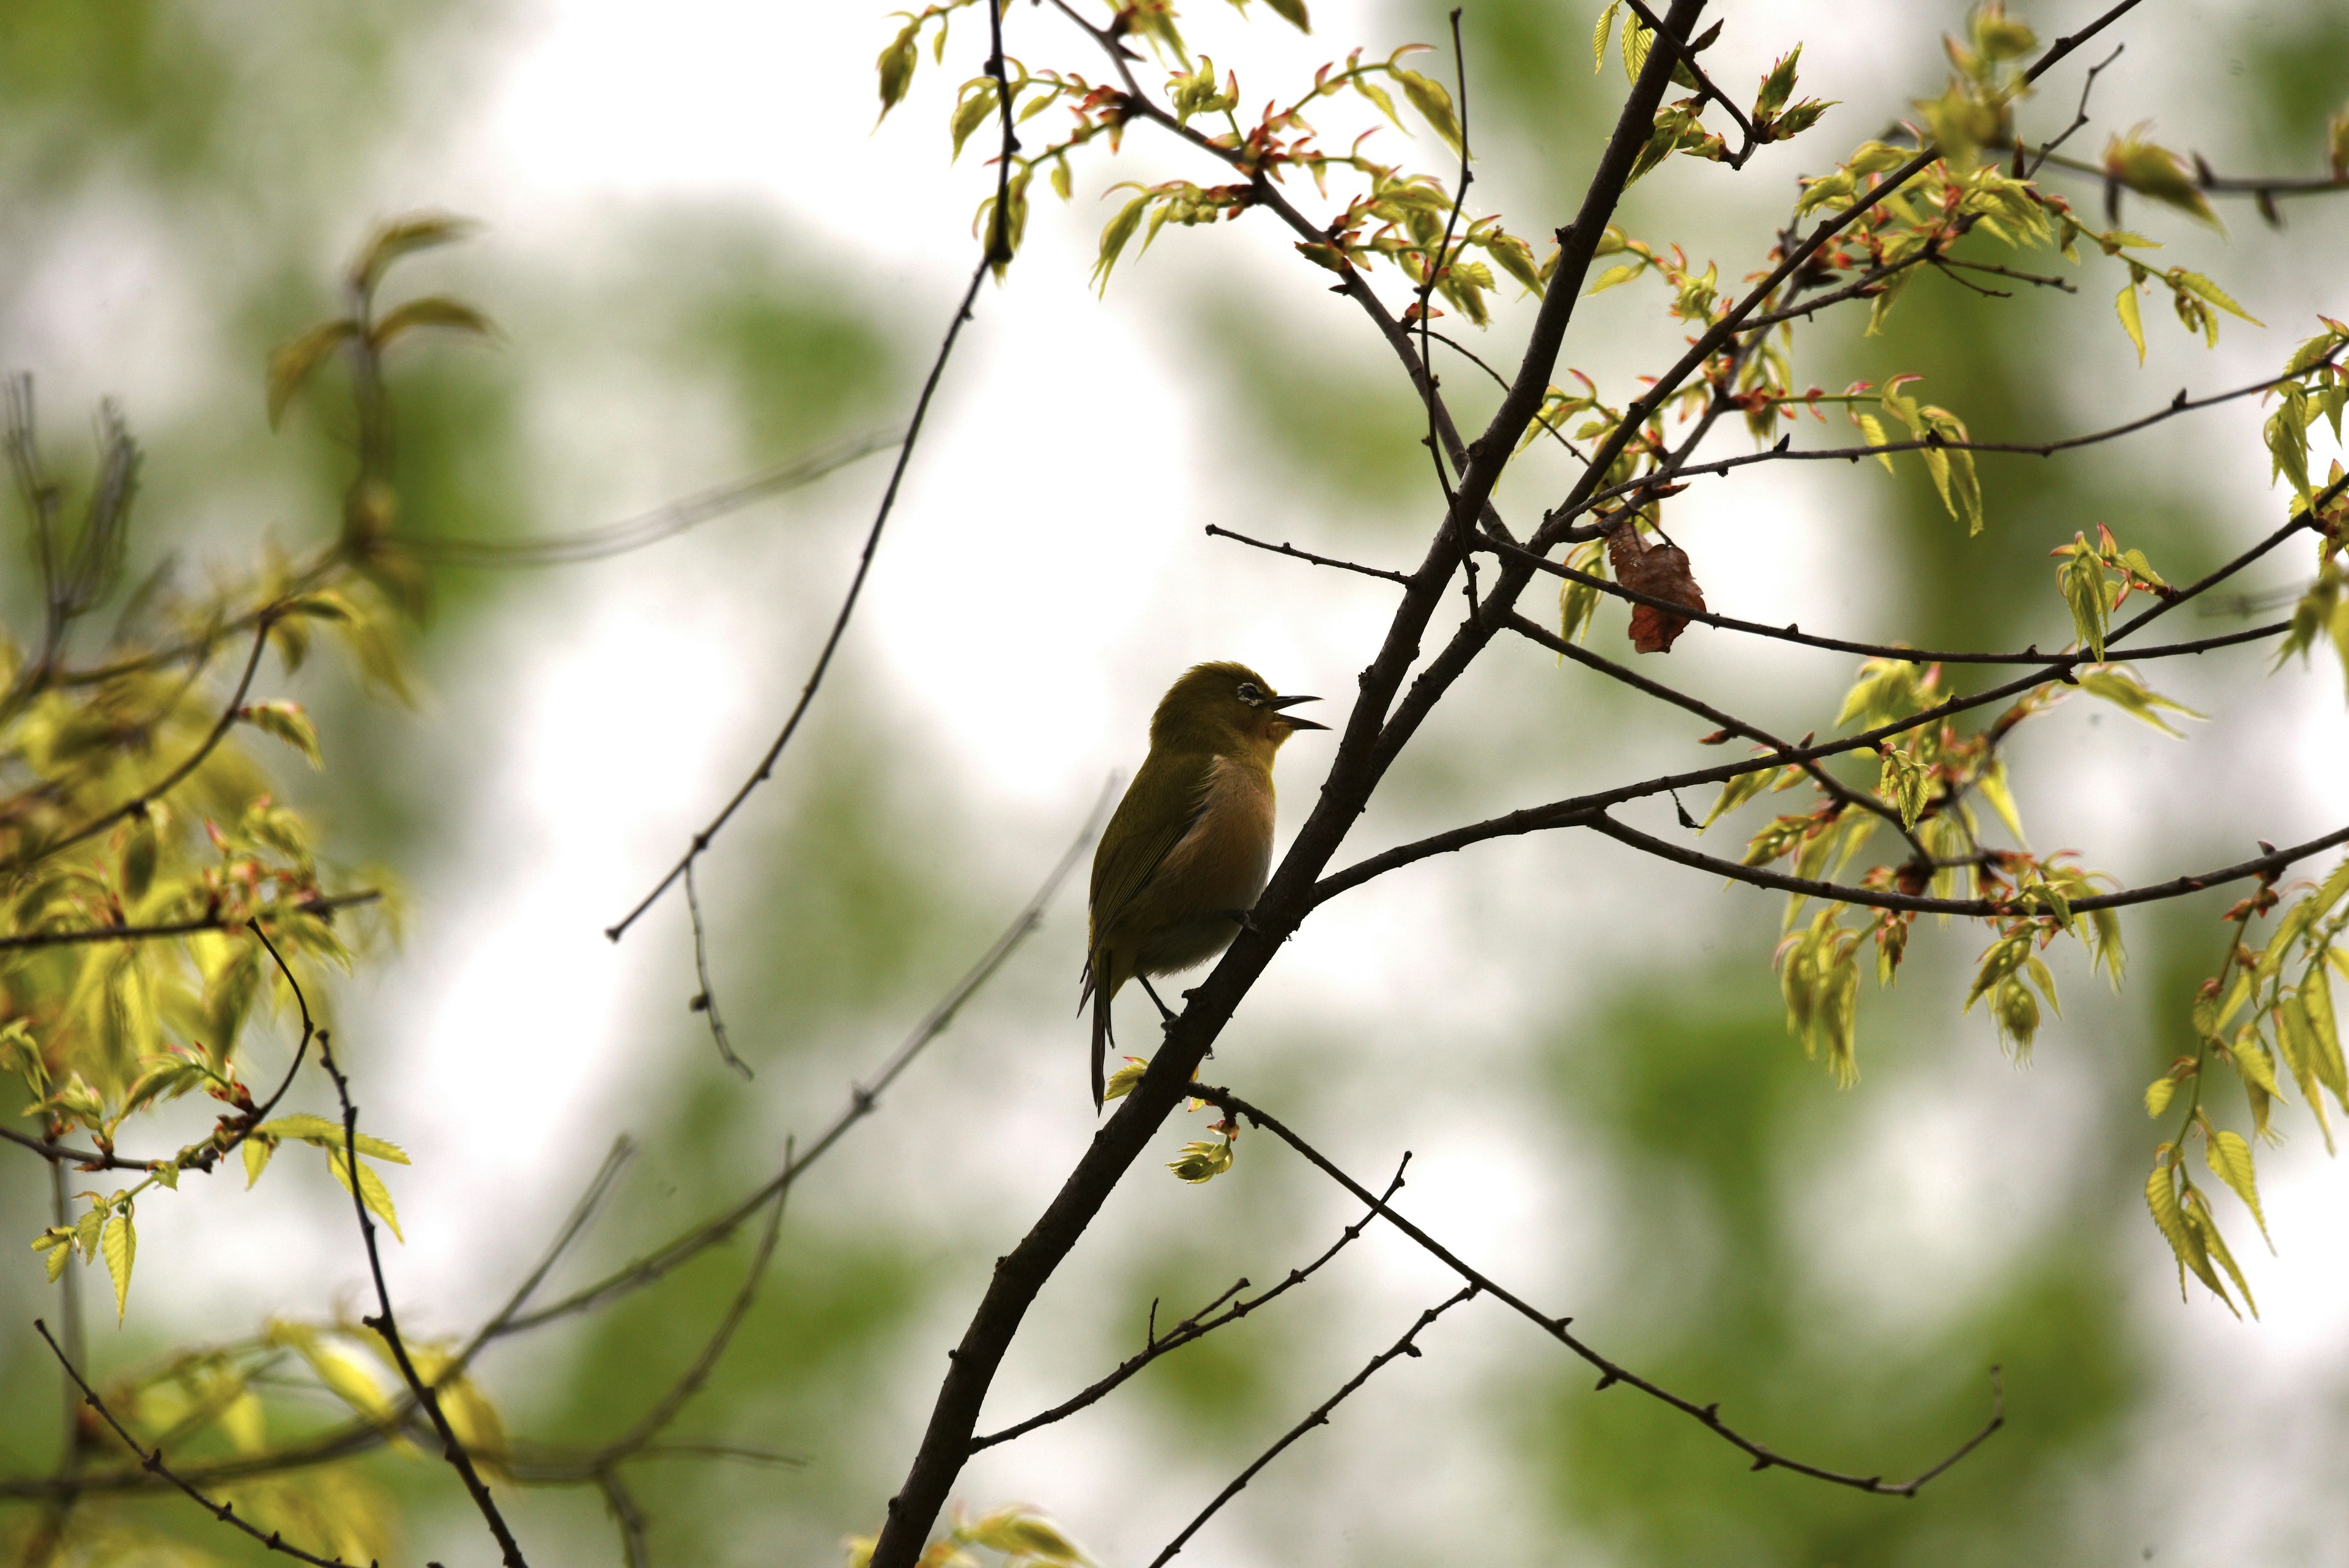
<point>138,803</point>
<point>1610,1371</point>
<point>151,1462</point>
<point>1191,1329</point>
<point>997,256</point>
<point>1320,1417</point>
<point>1354,775</point>
<point>384,1321</point>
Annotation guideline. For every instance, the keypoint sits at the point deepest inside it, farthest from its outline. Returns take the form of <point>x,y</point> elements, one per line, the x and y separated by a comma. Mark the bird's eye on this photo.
<point>1250,695</point>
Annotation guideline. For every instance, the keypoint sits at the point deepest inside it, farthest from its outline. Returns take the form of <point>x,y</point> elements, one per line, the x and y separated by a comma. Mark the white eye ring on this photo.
<point>1250,695</point>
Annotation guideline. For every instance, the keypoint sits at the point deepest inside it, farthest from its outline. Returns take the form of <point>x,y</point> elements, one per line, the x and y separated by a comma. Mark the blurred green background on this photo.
<point>700,264</point>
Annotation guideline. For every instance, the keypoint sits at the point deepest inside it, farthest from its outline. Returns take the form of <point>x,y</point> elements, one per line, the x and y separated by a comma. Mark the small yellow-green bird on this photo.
<point>1188,848</point>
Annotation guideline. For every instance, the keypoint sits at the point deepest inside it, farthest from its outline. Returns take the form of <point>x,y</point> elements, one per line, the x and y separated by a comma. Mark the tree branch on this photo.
<point>1320,1417</point>
<point>1191,1329</point>
<point>151,1462</point>
<point>384,1323</point>
<point>1611,1372</point>
<point>322,907</point>
<point>1353,775</point>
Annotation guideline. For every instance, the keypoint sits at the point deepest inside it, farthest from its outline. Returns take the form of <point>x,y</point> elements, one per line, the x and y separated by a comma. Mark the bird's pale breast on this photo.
<point>1216,869</point>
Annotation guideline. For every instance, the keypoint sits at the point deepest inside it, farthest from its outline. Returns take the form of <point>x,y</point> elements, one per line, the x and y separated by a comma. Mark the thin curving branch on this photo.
<point>1191,1330</point>
<point>151,1462</point>
<point>1792,633</point>
<point>704,1001</point>
<point>1320,1417</point>
<point>1729,724</point>
<point>2263,866</point>
<point>662,523</point>
<point>1610,1371</point>
<point>864,1099</point>
<point>997,255</point>
<point>385,1323</point>
<point>1568,811</point>
<point>169,782</point>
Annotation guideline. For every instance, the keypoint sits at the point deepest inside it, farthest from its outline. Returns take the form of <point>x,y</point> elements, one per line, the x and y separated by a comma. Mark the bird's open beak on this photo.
<point>1291,719</point>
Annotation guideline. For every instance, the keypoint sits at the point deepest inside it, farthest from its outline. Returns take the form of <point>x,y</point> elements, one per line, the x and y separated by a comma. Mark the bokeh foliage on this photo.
<point>1714,1094</point>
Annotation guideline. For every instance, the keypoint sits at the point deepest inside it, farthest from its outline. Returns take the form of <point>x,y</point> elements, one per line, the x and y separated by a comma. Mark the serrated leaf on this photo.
<point>344,1374</point>
<point>1601,33</point>
<point>1202,1161</point>
<point>971,110</point>
<point>1114,236</point>
<point>1776,86</point>
<point>404,236</point>
<point>2206,1226</point>
<point>2132,319</point>
<point>1636,41</point>
<point>120,1245</point>
<point>896,64</point>
<point>372,1191</point>
<point>2157,1094</point>
<point>2230,1158</point>
<point>1120,1082</point>
<point>1994,789</point>
<point>2120,686</point>
<point>1434,104</point>
<point>1615,275</point>
<point>257,1151</point>
<point>1871,430</point>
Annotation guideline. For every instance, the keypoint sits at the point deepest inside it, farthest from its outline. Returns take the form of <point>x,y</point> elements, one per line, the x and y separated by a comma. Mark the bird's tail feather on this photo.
<point>1100,1044</point>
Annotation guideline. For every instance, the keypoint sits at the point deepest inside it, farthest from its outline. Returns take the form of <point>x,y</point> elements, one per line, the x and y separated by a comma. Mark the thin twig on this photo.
<point>997,253</point>
<point>1287,549</point>
<point>385,1323</point>
<point>704,1001</point>
<point>1320,1417</point>
<point>662,523</point>
<point>2180,404</point>
<point>1792,633</point>
<point>151,1461</point>
<point>863,1098</point>
<point>322,907</point>
<point>1612,1372</point>
<point>1191,1330</point>
<point>169,782</point>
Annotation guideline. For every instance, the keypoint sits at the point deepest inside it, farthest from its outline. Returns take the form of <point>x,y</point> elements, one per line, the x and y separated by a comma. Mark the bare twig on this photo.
<point>1285,548</point>
<point>704,1001</point>
<point>151,1461</point>
<point>1611,1372</point>
<point>1320,1417</point>
<point>1191,1329</point>
<point>385,1323</point>
<point>998,254</point>
<point>864,1099</point>
<point>660,524</point>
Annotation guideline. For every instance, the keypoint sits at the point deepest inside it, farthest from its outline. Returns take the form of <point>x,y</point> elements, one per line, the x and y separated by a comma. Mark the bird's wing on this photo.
<point>1120,874</point>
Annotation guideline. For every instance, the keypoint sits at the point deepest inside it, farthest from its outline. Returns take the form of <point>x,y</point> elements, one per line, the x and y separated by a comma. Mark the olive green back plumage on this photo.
<point>1188,850</point>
